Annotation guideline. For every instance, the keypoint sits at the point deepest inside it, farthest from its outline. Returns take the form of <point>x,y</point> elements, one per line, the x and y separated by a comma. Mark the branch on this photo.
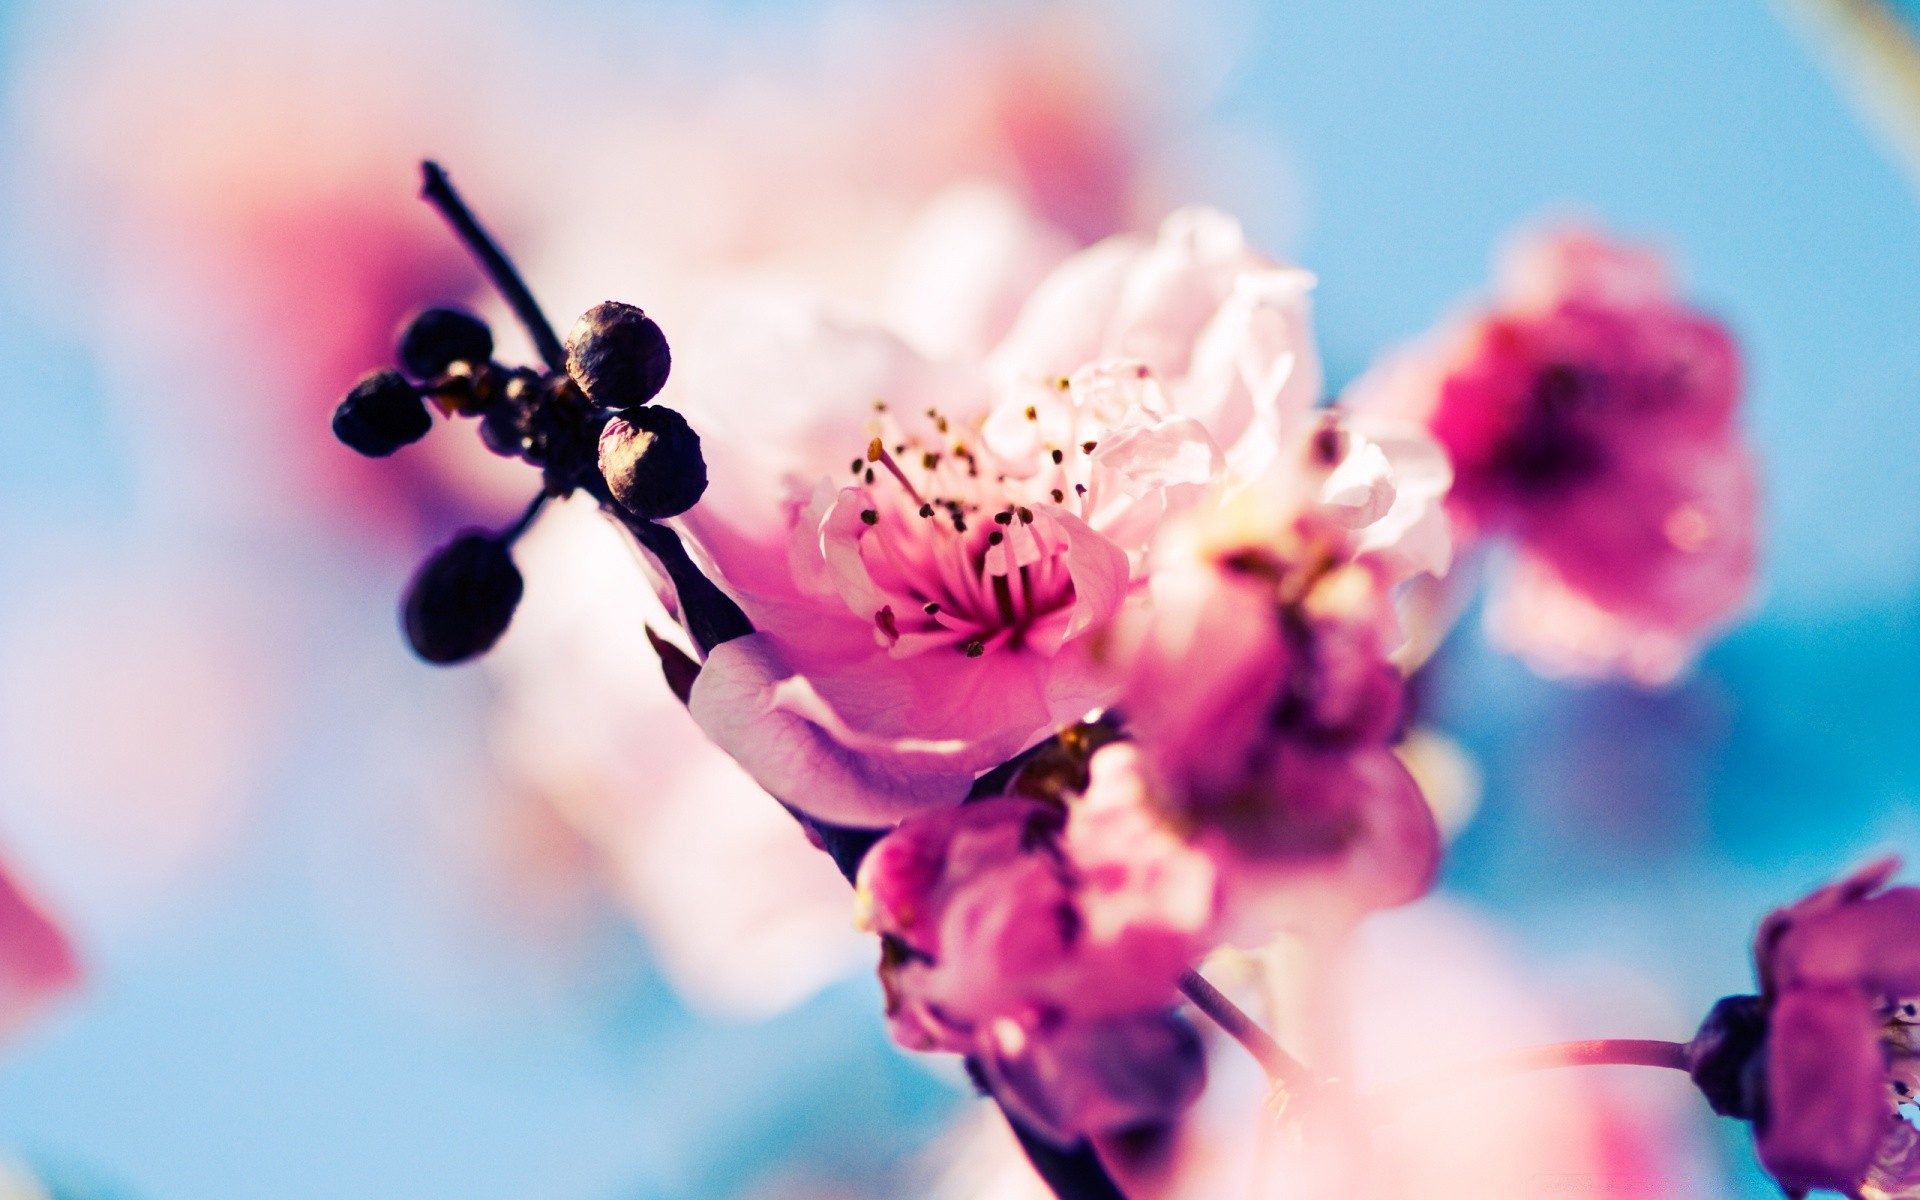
<point>436,190</point>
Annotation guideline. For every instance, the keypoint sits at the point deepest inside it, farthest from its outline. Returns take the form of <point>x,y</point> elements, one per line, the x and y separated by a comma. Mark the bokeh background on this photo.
<point>341,939</point>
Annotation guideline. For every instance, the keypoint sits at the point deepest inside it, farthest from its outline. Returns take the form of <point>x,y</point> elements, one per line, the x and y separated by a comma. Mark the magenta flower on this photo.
<point>1044,940</point>
<point>1591,418</point>
<point>928,548</point>
<point>1260,686</point>
<point>1826,1059</point>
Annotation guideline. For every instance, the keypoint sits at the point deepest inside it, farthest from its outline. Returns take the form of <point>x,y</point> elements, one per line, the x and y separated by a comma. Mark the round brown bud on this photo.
<point>618,356</point>
<point>651,460</point>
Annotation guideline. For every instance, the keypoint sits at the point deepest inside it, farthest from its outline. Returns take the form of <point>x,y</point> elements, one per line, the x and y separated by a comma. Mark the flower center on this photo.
<point>966,554</point>
<point>1551,449</point>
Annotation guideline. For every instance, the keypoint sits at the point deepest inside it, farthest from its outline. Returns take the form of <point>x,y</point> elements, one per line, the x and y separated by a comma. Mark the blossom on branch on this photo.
<point>1826,1059</point>
<point>1259,683</point>
<point>1591,417</point>
<point>1043,938</point>
<point>952,533</point>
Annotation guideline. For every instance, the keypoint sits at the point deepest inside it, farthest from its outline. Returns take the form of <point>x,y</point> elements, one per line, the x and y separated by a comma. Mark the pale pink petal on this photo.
<point>753,706</point>
<point>964,268</point>
<point>1544,267</point>
<point>1064,324</point>
<point>1563,634</point>
<point>1153,454</point>
<point>1413,536</point>
<point>1099,569</point>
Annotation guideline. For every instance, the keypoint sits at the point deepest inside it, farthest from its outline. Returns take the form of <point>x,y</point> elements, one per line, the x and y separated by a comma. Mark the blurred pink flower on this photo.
<point>1414,991</point>
<point>930,617</point>
<point>1592,417</point>
<point>744,916</point>
<point>1840,976</point>
<point>1259,684</point>
<point>1047,943</point>
<point>250,175</point>
<point>36,961</point>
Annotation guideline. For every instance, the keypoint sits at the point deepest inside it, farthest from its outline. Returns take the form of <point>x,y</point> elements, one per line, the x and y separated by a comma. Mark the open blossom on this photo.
<point>1259,684</point>
<point>1825,1061</point>
<point>36,961</point>
<point>951,533</point>
<point>1044,941</point>
<point>1592,418</point>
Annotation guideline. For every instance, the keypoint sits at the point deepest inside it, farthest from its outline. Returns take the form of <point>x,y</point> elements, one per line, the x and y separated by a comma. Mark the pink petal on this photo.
<point>1871,945</point>
<point>36,961</point>
<point>1826,1090</point>
<point>1387,852</point>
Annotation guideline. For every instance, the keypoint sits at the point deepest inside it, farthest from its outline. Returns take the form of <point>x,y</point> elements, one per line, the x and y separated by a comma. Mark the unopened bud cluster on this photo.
<point>590,427</point>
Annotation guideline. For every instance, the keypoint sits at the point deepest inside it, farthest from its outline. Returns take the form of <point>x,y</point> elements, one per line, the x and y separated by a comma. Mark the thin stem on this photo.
<point>1281,1067</point>
<point>1602,1052</point>
<point>436,190</point>
<point>512,532</point>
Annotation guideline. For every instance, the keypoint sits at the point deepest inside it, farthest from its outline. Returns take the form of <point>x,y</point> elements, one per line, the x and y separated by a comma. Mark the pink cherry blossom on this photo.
<point>1259,682</point>
<point>1009,138</point>
<point>1045,942</point>
<point>951,533</point>
<point>1840,974</point>
<point>1591,417</point>
<point>36,961</point>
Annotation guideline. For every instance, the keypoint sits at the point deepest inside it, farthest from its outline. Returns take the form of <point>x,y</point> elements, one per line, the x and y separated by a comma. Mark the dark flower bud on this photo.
<point>1727,1058</point>
<point>506,426</point>
<point>441,337</point>
<point>651,460</point>
<point>462,599</point>
<point>618,355</point>
<point>382,413</point>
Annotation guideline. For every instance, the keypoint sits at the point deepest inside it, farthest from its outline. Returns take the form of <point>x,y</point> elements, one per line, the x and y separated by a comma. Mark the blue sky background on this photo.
<point>242,1048</point>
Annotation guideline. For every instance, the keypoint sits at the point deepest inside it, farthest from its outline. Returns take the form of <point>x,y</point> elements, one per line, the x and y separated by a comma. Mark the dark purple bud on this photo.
<point>618,355</point>
<point>651,460</point>
<point>382,413</point>
<point>462,599</point>
<point>1727,1058</point>
<point>441,337</point>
